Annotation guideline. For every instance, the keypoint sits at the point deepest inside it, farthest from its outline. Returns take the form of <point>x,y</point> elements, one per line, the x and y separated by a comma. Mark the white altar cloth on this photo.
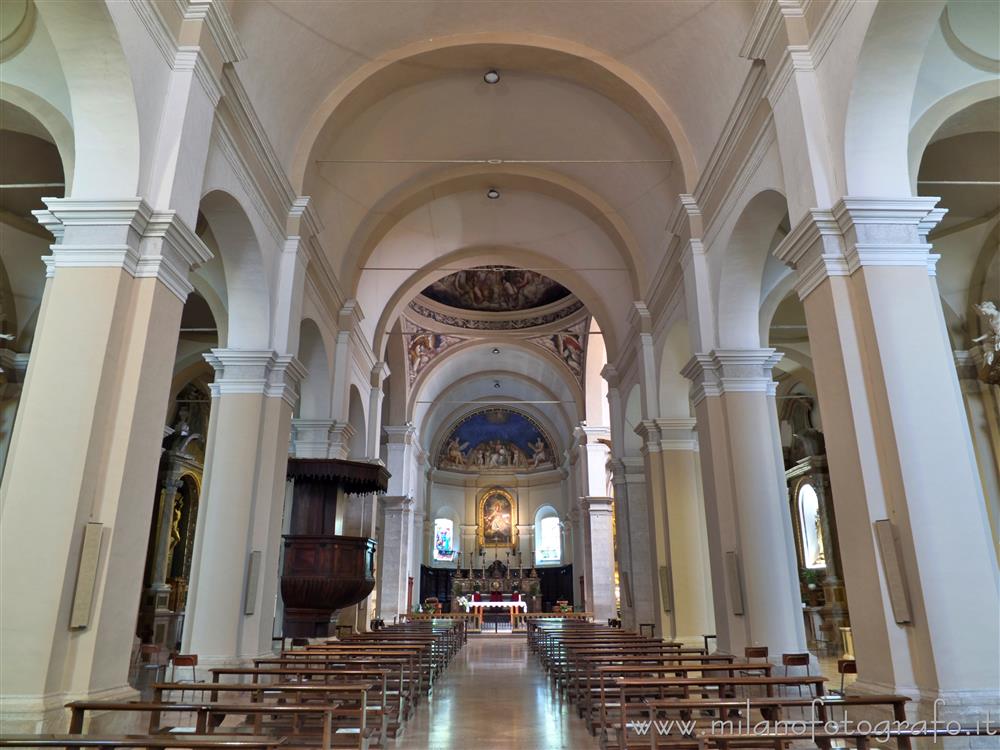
<point>522,605</point>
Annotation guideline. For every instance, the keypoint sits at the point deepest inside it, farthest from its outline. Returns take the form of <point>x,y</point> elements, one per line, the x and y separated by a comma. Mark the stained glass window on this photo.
<point>444,536</point>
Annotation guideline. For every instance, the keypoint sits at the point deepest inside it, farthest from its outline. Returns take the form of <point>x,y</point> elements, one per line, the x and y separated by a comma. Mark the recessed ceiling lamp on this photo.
<point>492,194</point>
<point>496,350</point>
<point>496,384</point>
<point>491,76</point>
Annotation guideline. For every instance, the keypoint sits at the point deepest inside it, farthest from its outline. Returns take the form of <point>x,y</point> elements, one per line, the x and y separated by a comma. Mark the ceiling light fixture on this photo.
<point>491,76</point>
<point>496,350</point>
<point>496,384</point>
<point>492,194</point>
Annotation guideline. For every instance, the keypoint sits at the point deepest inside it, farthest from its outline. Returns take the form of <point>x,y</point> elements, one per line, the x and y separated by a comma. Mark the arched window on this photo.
<point>810,529</point>
<point>444,539</point>
<point>548,541</point>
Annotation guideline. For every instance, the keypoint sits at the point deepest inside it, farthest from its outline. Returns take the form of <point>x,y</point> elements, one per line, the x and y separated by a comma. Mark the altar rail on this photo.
<point>522,619</point>
<point>471,619</point>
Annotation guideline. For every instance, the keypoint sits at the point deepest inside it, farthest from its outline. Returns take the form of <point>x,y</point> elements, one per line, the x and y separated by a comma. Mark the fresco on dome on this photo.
<point>496,289</point>
<point>568,345</point>
<point>423,346</point>
<point>496,439</point>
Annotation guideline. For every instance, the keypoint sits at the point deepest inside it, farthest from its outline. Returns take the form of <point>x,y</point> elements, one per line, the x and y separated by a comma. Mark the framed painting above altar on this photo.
<point>497,516</point>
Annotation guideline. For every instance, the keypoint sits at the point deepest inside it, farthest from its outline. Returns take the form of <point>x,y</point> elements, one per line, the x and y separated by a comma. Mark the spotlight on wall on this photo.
<point>496,350</point>
<point>491,76</point>
<point>492,194</point>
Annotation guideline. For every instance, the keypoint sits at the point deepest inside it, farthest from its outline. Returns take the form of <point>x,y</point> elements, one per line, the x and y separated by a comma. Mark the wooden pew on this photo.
<point>193,741</point>
<point>294,693</point>
<point>641,689</point>
<point>769,709</point>
<point>350,729</point>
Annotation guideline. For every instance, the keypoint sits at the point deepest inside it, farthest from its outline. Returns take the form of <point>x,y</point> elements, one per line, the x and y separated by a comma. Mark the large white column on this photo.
<point>397,509</point>
<point>899,450</point>
<point>85,449</point>
<point>239,517</point>
<point>596,530</point>
<point>691,610</point>
<point>600,556</point>
<point>397,522</point>
<point>636,548</point>
<point>750,540</point>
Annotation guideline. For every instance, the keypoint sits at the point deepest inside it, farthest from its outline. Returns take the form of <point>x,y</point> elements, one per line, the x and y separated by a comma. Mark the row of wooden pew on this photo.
<point>639,692</point>
<point>356,692</point>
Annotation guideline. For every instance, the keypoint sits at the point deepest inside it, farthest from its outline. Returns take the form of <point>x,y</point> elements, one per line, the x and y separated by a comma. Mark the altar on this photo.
<point>496,587</point>
<point>506,604</point>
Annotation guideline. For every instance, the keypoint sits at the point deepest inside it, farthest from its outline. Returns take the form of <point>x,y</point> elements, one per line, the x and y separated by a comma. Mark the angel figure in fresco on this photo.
<point>988,311</point>
<point>456,452</point>
<point>538,455</point>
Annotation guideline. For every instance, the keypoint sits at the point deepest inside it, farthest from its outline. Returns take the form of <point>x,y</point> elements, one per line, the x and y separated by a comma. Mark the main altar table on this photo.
<point>521,605</point>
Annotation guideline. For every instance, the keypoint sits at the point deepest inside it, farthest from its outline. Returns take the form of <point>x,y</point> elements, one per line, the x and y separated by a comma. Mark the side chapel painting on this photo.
<point>496,518</point>
<point>496,439</point>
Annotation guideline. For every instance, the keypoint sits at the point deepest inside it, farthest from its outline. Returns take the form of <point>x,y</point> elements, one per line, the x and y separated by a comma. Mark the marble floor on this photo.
<point>494,696</point>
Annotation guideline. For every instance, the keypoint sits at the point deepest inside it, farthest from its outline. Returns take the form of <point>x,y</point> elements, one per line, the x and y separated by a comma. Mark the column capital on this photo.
<point>610,374</point>
<point>349,317</point>
<point>255,371</point>
<point>859,232</point>
<point>731,371</point>
<point>648,430</point>
<point>678,433</point>
<point>399,434</point>
<point>125,234</point>
<point>311,437</point>
<point>630,469</point>
<point>596,504</point>
<point>340,439</point>
<point>585,435</point>
<point>396,503</point>
<point>380,371</point>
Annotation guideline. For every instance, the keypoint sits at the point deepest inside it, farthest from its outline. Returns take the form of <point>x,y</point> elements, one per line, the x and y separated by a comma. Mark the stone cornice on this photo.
<point>220,25</point>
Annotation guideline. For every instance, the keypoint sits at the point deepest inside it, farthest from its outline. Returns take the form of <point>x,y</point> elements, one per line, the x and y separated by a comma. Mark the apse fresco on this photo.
<point>496,440</point>
<point>496,289</point>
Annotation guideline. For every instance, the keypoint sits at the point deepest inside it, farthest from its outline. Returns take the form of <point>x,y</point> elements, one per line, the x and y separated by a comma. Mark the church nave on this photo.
<point>495,694</point>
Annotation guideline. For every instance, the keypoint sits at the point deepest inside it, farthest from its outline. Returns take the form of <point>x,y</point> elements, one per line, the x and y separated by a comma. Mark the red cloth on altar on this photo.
<point>477,597</point>
<point>496,596</point>
<point>515,597</point>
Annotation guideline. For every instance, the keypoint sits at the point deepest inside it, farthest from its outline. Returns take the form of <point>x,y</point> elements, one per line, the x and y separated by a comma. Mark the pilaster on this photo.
<point>866,280</point>
<point>253,397</point>
<point>103,428</point>
<point>754,579</point>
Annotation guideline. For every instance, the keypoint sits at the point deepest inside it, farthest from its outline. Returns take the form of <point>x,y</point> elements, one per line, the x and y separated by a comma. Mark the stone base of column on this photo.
<point>949,709</point>
<point>47,714</point>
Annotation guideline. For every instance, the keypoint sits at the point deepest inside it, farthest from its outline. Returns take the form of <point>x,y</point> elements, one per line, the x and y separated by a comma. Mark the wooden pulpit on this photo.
<point>324,571</point>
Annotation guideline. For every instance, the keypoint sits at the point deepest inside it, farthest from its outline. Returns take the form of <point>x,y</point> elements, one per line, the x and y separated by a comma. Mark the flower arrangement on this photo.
<point>463,602</point>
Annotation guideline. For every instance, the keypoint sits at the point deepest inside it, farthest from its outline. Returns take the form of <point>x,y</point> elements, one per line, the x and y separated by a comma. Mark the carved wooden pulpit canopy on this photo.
<point>325,571</point>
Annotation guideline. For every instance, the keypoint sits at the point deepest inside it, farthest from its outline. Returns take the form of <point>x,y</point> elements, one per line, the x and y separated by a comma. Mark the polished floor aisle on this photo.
<point>494,696</point>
